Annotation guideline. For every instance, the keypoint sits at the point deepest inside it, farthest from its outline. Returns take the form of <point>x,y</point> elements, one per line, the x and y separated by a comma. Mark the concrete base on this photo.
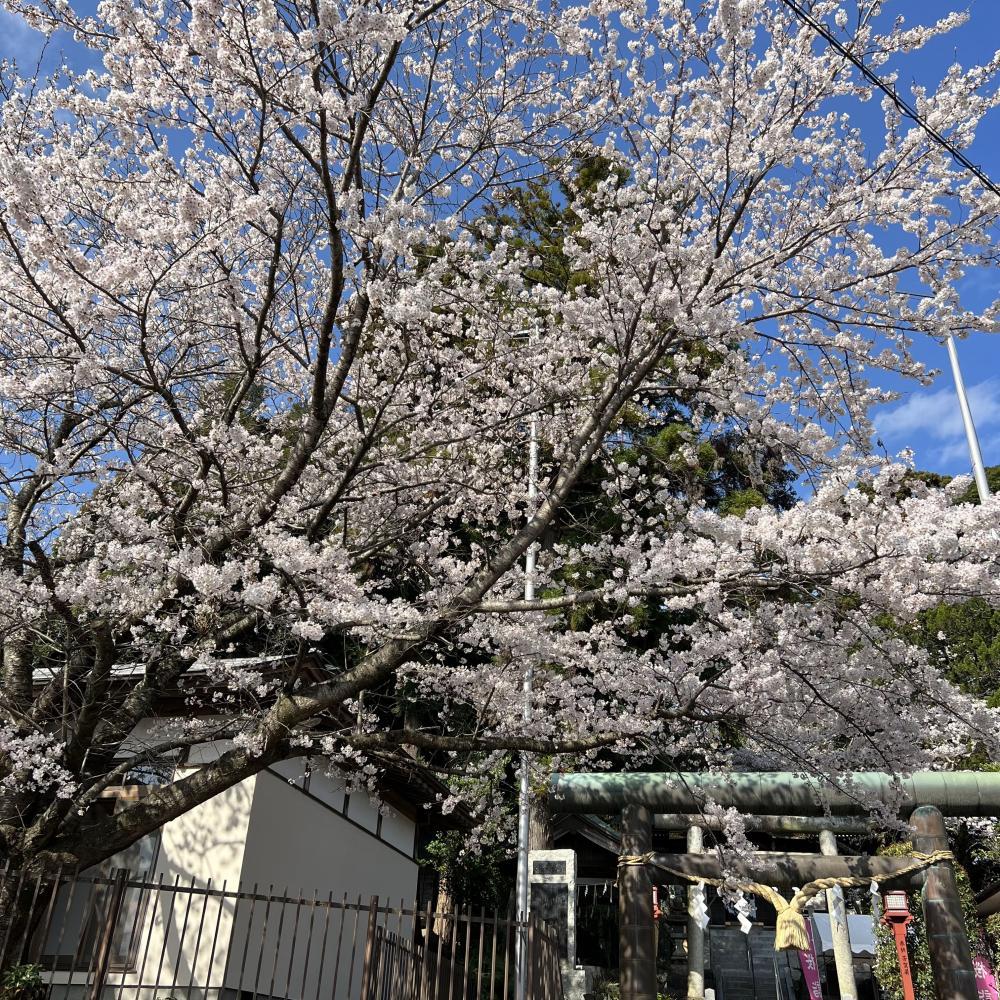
<point>578,983</point>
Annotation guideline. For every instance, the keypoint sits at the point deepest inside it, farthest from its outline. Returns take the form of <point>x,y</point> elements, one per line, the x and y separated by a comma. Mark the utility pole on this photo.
<point>978,469</point>
<point>524,799</point>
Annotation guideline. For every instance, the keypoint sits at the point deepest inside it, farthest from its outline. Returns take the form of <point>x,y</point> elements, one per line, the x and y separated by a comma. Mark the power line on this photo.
<point>905,108</point>
<point>979,470</point>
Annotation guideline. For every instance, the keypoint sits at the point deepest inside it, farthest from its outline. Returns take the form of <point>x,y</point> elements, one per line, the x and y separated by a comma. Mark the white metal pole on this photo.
<point>524,801</point>
<point>978,469</point>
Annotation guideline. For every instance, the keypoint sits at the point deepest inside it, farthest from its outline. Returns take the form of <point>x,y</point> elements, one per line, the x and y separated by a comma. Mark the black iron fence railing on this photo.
<point>128,937</point>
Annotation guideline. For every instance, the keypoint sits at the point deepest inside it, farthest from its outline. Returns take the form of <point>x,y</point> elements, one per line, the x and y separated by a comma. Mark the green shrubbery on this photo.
<point>22,982</point>
<point>612,991</point>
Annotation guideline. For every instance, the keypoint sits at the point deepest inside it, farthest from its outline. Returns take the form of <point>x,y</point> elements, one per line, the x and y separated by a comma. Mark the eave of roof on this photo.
<point>590,828</point>
<point>409,782</point>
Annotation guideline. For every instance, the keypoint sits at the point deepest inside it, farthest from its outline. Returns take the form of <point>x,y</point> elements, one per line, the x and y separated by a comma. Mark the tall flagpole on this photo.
<point>978,469</point>
<point>524,798</point>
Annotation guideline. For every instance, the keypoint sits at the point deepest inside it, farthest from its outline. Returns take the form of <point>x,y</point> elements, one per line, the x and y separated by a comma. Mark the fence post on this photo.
<point>554,979</point>
<point>7,921</point>
<point>529,959</point>
<point>555,973</point>
<point>468,950</point>
<point>454,952</point>
<point>366,968</point>
<point>425,965</point>
<point>103,958</point>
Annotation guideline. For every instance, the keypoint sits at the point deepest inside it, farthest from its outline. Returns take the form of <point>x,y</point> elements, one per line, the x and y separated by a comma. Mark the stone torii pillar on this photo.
<point>947,941</point>
<point>636,940</point>
<point>695,931</point>
<point>842,954</point>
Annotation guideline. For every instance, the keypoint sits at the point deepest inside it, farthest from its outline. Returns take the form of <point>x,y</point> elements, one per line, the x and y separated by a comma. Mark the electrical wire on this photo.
<point>910,112</point>
<point>906,109</point>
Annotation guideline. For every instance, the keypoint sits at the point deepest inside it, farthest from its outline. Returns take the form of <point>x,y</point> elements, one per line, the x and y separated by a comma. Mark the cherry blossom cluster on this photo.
<point>32,762</point>
<point>270,352</point>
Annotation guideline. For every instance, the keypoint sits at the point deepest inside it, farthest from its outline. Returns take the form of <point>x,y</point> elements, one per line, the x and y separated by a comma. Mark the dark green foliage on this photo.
<point>992,480</point>
<point>542,217</point>
<point>964,639</point>
<point>612,991</point>
<point>473,876</point>
<point>22,982</point>
<point>937,480</point>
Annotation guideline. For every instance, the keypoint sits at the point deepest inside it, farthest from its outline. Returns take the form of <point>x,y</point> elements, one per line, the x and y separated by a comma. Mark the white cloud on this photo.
<point>936,415</point>
<point>955,454</point>
<point>930,423</point>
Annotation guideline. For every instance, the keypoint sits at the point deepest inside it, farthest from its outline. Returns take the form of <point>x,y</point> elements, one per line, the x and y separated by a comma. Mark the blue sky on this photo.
<point>925,419</point>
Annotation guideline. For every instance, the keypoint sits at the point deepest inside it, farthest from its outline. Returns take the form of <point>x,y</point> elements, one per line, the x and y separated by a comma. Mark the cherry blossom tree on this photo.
<point>266,386</point>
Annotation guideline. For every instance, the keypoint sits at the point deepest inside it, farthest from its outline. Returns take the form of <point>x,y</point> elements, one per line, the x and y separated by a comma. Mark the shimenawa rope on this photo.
<point>790,930</point>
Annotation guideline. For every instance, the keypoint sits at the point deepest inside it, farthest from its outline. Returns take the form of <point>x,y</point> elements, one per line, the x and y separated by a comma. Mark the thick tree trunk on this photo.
<point>445,906</point>
<point>540,824</point>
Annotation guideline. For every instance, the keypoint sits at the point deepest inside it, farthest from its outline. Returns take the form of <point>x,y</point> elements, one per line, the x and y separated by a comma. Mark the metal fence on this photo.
<point>121,937</point>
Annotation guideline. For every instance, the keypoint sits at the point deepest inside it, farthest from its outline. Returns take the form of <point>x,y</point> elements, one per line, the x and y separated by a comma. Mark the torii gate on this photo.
<point>925,796</point>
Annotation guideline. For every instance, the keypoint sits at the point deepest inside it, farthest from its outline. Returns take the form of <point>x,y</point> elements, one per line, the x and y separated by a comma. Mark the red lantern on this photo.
<point>896,914</point>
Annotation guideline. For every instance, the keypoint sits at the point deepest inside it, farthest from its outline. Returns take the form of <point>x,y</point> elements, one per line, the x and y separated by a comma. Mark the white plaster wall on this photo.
<point>204,847</point>
<point>147,732</point>
<point>299,845</point>
<point>209,841</point>
<point>296,842</point>
<point>398,830</point>
<point>329,790</point>
<point>293,771</point>
<point>362,810</point>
